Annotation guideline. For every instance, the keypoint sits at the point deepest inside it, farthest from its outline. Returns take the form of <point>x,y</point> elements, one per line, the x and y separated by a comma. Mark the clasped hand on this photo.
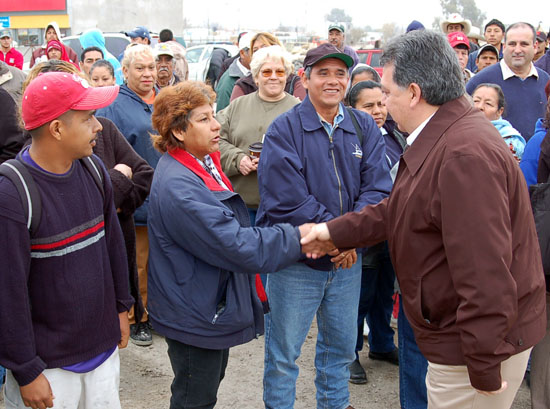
<point>316,243</point>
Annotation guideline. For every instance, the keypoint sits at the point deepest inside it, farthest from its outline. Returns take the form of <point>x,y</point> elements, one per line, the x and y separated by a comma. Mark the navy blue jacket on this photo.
<point>530,160</point>
<point>544,62</point>
<point>132,116</point>
<point>203,257</point>
<point>305,177</point>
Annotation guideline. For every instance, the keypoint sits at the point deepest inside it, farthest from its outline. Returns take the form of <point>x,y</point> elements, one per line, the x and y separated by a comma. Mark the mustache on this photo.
<point>164,69</point>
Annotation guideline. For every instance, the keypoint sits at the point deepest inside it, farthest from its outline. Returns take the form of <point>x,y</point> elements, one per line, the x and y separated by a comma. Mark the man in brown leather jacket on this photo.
<point>460,231</point>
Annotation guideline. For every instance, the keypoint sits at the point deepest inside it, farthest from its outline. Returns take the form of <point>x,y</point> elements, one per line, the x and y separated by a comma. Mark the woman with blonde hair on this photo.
<point>247,85</point>
<point>246,120</point>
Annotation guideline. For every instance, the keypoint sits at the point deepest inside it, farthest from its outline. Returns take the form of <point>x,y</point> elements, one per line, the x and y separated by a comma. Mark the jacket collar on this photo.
<point>125,89</point>
<point>311,122</point>
<point>191,163</point>
<point>446,115</point>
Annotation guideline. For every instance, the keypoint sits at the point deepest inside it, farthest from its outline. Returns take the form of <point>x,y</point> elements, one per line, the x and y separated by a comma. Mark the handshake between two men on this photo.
<point>316,242</point>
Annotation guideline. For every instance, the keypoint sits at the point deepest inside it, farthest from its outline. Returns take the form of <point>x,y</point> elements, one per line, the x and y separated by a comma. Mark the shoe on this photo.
<point>140,334</point>
<point>391,357</point>
<point>357,374</point>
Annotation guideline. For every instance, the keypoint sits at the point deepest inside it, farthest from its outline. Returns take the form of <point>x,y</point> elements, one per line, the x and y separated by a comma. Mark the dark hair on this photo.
<point>361,68</point>
<point>166,35</point>
<point>88,49</point>
<point>172,109</point>
<point>500,94</point>
<point>495,22</point>
<point>425,58</point>
<point>355,91</point>
<point>518,25</point>
<point>103,63</point>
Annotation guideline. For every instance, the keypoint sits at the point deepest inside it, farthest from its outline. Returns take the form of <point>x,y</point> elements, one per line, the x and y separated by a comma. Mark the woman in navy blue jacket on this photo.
<point>203,254</point>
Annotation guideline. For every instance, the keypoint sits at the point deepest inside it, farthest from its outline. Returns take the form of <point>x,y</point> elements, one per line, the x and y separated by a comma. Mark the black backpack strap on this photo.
<point>19,175</point>
<point>358,130</point>
<point>93,166</point>
<point>292,81</point>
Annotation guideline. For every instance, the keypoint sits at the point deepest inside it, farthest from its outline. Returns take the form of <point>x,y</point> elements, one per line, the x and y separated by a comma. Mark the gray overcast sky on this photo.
<point>268,14</point>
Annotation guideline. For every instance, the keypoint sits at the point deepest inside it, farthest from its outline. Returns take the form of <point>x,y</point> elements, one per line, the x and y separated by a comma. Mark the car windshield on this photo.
<point>375,60</point>
<point>193,55</point>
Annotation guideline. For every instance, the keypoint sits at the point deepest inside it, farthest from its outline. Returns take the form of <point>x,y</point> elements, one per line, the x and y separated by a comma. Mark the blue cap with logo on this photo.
<point>139,31</point>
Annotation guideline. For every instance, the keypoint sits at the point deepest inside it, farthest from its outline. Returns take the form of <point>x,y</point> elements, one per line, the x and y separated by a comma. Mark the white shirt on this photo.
<point>414,134</point>
<point>508,73</point>
<point>243,69</point>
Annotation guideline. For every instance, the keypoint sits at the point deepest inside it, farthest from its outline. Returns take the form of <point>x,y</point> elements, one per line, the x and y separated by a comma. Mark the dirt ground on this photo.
<point>146,376</point>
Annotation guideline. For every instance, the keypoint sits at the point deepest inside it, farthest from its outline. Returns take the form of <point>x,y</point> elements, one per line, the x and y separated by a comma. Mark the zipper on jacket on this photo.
<point>331,148</point>
<point>220,308</point>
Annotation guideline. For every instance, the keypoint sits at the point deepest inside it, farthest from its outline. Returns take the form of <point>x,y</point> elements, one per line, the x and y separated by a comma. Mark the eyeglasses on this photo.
<point>268,72</point>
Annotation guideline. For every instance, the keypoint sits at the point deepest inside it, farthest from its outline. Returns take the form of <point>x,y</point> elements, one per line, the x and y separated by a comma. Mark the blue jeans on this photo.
<point>2,374</point>
<point>412,366</point>
<point>296,295</point>
<point>376,302</point>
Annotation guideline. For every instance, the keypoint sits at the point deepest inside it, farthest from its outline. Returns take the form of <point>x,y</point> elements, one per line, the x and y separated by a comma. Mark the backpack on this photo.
<point>16,171</point>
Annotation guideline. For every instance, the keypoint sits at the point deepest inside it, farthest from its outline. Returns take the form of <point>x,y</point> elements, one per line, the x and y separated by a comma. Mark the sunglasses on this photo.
<point>268,72</point>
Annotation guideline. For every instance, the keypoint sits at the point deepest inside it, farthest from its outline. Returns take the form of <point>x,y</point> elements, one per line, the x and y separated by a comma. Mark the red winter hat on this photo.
<point>52,94</point>
<point>457,38</point>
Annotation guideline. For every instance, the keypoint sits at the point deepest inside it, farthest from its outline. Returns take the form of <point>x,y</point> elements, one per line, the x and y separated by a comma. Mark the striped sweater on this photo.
<point>59,302</point>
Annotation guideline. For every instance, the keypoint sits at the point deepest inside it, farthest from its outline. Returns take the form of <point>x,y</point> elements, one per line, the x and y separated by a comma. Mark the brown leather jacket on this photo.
<point>463,242</point>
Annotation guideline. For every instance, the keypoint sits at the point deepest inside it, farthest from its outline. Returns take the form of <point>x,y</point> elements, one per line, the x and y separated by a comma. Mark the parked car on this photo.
<point>371,57</point>
<point>198,58</point>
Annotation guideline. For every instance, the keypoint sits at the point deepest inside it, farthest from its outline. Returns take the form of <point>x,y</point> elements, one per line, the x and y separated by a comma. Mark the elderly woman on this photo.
<point>246,119</point>
<point>203,257</point>
<point>247,85</point>
<point>489,99</point>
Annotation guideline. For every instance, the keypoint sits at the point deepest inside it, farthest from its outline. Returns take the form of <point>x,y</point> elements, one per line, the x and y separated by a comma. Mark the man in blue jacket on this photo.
<point>316,165</point>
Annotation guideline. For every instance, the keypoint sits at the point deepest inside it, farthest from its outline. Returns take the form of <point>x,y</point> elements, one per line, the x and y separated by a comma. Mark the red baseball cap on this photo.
<point>52,94</point>
<point>457,38</point>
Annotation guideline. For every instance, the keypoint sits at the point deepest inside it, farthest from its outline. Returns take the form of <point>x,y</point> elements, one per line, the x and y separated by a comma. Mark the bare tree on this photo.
<point>338,16</point>
<point>466,8</point>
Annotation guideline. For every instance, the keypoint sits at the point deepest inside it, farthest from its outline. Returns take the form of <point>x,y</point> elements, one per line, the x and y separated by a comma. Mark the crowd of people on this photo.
<point>133,199</point>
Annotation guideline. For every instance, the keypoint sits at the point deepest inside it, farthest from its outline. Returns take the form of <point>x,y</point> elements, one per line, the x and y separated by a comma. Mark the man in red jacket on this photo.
<point>9,54</point>
<point>460,230</point>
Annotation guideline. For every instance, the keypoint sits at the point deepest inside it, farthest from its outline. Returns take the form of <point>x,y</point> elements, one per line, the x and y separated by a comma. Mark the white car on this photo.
<point>198,58</point>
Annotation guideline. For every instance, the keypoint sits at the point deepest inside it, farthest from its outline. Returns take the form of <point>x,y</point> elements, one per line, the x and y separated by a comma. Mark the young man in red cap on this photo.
<point>64,295</point>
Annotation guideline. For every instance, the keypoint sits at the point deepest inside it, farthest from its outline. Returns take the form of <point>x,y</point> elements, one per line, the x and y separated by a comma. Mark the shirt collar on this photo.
<point>243,69</point>
<point>508,73</point>
<point>414,134</point>
<point>337,119</point>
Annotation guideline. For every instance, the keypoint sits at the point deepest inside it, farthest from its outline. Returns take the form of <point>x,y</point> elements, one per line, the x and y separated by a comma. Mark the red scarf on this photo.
<point>187,160</point>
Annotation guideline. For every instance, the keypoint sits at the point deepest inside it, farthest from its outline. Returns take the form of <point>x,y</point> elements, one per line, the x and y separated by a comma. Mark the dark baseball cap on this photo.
<point>541,36</point>
<point>325,51</point>
<point>337,26</point>
<point>488,47</point>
